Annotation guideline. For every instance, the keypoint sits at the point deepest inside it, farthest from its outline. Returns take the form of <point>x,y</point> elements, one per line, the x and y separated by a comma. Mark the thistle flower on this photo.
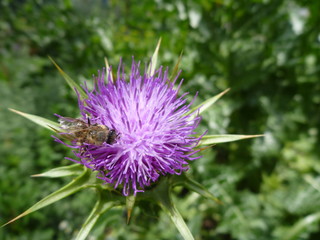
<point>154,127</point>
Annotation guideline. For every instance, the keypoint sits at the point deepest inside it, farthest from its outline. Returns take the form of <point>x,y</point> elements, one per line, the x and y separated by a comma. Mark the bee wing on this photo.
<point>72,124</point>
<point>68,119</point>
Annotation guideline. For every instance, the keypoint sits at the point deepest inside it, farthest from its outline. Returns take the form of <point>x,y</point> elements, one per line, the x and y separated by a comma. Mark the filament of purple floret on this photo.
<point>68,145</point>
<point>73,160</point>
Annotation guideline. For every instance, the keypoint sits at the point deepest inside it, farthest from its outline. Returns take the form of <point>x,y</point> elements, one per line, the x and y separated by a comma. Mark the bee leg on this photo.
<point>83,150</point>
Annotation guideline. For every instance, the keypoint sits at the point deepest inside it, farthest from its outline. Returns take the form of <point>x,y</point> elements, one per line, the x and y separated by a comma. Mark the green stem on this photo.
<point>162,195</point>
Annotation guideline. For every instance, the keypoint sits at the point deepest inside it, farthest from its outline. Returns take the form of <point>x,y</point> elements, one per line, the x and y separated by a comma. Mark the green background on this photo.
<point>266,51</point>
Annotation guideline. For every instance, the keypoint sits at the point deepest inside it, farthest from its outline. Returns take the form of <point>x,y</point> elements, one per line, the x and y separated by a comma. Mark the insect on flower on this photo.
<point>83,132</point>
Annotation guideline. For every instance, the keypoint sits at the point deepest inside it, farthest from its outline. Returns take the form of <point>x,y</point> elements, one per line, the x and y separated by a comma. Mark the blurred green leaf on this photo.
<point>301,225</point>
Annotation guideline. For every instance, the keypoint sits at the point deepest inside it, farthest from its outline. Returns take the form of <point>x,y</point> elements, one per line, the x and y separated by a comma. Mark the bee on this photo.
<point>83,132</point>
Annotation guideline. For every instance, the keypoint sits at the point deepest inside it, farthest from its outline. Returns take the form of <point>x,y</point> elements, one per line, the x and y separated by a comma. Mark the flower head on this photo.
<point>153,126</point>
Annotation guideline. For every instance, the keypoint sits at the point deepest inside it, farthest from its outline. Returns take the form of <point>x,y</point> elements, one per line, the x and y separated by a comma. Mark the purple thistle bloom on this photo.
<point>154,131</point>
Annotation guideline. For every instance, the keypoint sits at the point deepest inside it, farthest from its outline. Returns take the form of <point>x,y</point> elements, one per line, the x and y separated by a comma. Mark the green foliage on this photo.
<point>267,52</point>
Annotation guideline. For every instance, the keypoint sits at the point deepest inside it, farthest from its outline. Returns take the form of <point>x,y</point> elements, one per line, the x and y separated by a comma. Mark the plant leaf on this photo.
<point>300,226</point>
<point>100,207</point>
<point>206,104</point>
<point>154,59</point>
<point>53,126</point>
<point>74,169</point>
<point>74,86</point>
<point>213,139</point>
<point>74,186</point>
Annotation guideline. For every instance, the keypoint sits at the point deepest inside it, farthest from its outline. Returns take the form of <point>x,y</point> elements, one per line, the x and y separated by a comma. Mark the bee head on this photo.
<point>112,135</point>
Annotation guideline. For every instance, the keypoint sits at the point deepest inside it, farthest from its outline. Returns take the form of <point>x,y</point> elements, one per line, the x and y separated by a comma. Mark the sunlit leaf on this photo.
<point>153,64</point>
<point>312,182</point>
<point>214,139</point>
<point>74,86</point>
<point>74,186</point>
<point>53,126</point>
<point>75,169</point>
